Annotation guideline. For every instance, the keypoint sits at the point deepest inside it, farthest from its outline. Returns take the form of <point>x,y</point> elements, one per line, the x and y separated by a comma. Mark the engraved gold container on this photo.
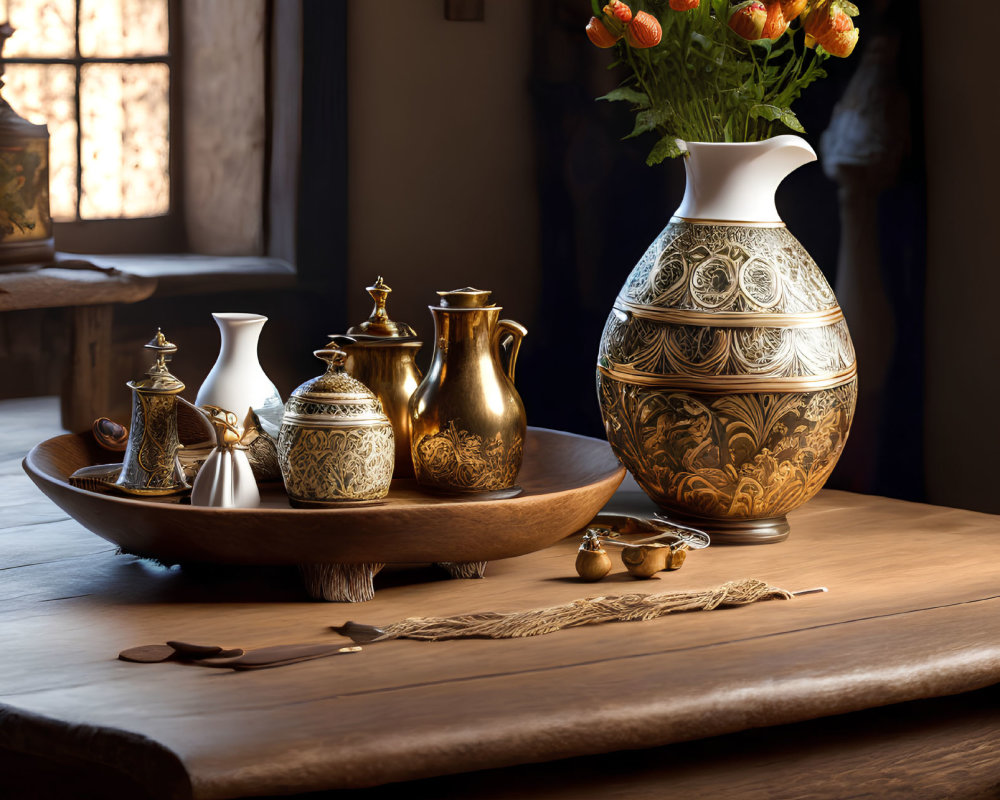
<point>335,445</point>
<point>380,354</point>
<point>467,419</point>
<point>726,374</point>
<point>151,465</point>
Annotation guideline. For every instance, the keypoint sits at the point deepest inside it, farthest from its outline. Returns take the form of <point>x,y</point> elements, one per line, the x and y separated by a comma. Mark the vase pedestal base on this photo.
<point>739,531</point>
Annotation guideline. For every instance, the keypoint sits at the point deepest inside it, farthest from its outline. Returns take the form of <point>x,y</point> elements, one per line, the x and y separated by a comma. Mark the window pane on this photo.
<point>42,28</point>
<point>124,114</point>
<point>44,93</point>
<point>112,28</point>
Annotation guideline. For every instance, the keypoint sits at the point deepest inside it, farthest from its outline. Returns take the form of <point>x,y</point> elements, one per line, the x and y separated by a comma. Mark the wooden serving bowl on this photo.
<point>566,480</point>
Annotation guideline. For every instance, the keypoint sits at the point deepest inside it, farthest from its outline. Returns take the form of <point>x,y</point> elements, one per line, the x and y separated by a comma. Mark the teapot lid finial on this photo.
<point>378,323</point>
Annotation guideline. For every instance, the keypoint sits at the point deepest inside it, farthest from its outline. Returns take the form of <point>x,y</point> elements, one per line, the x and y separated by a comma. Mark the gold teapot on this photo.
<point>467,420</point>
<point>380,354</point>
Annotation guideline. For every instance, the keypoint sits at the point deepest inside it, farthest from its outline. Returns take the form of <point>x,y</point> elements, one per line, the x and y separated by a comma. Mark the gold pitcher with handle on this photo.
<point>467,420</point>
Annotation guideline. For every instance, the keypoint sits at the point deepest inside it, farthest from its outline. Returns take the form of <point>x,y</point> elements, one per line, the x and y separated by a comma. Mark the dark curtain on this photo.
<point>601,206</point>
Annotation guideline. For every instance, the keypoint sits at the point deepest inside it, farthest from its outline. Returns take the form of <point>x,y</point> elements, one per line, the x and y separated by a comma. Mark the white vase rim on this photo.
<point>780,140</point>
<point>238,316</point>
<point>736,181</point>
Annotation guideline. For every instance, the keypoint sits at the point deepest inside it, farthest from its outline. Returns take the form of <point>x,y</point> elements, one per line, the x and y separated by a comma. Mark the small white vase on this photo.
<point>237,382</point>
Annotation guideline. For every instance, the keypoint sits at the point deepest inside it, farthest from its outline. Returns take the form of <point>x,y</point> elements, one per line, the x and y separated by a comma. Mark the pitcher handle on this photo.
<point>508,335</point>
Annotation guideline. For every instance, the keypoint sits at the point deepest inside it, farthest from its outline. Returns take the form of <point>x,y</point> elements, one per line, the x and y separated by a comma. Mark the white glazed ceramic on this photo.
<point>225,480</point>
<point>736,182</point>
<point>237,382</point>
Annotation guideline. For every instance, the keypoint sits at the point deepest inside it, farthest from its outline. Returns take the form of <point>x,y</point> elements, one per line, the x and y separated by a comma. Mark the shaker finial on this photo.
<point>164,351</point>
<point>334,357</point>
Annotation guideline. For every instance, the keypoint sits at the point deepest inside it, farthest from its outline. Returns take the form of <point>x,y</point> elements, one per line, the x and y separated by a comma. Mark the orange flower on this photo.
<point>775,24</point>
<point>684,5</point>
<point>748,20</point>
<point>832,28</point>
<point>841,43</point>
<point>643,31</point>
<point>599,34</point>
<point>790,9</point>
<point>619,11</point>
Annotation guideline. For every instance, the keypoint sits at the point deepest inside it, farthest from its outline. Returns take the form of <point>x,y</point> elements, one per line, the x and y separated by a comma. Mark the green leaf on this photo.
<point>627,95</point>
<point>784,115</point>
<point>666,148</point>
<point>646,121</point>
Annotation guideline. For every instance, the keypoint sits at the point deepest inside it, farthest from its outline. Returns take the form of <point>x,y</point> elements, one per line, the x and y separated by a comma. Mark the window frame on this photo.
<point>160,233</point>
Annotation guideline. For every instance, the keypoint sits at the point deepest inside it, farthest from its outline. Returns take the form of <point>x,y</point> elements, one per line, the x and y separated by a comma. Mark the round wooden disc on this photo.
<point>148,653</point>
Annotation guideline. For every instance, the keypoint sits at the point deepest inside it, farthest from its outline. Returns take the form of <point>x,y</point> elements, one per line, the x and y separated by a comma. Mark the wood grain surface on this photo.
<point>913,612</point>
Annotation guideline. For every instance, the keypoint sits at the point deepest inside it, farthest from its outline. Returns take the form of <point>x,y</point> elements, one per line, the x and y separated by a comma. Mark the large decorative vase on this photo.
<point>726,374</point>
<point>237,382</point>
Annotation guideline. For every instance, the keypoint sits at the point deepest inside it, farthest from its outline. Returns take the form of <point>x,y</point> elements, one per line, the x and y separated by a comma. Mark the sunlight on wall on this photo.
<point>124,108</point>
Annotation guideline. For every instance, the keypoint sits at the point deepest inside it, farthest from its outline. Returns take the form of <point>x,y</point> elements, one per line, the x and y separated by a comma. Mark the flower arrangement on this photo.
<point>714,71</point>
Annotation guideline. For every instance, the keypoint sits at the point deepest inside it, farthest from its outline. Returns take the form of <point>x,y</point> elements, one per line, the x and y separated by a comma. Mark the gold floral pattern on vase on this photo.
<point>727,377</point>
<point>752,456</point>
<point>456,460</point>
<point>343,463</point>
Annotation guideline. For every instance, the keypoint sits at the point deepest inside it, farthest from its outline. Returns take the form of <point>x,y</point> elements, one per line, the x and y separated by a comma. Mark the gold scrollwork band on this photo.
<point>723,222</point>
<point>711,384</point>
<point>731,319</point>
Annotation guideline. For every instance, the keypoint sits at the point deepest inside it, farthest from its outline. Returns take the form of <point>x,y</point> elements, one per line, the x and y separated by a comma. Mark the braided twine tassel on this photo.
<point>590,611</point>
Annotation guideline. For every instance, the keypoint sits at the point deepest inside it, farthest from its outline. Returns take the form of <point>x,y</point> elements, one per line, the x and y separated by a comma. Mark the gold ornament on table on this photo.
<point>335,444</point>
<point>151,465</point>
<point>467,419</point>
<point>380,354</point>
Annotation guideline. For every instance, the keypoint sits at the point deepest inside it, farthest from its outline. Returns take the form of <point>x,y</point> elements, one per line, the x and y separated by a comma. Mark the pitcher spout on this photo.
<point>736,182</point>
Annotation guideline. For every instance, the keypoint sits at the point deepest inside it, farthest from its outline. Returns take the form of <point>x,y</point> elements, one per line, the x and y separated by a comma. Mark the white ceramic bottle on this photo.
<point>237,382</point>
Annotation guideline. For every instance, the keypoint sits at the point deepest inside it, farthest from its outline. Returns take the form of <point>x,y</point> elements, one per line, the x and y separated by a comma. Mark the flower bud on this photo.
<point>684,5</point>
<point>841,43</point>
<point>831,28</point>
<point>790,9</point>
<point>599,35</point>
<point>619,11</point>
<point>643,31</point>
<point>748,19</point>
<point>775,24</point>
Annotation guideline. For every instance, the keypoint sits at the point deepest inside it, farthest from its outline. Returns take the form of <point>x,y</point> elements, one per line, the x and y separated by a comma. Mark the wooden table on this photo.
<point>778,699</point>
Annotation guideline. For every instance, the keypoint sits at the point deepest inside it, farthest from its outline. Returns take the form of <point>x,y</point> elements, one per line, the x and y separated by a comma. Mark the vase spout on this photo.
<point>736,182</point>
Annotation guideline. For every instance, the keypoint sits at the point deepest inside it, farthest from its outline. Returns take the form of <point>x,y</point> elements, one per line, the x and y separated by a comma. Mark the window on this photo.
<point>164,134</point>
<point>99,73</point>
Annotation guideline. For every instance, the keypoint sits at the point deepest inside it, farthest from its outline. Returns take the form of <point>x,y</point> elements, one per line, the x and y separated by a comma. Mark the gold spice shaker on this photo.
<point>467,419</point>
<point>151,465</point>
<point>335,445</point>
<point>380,354</point>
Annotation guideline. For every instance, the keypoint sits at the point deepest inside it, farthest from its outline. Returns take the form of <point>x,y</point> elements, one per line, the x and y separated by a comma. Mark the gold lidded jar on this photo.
<point>381,354</point>
<point>335,445</point>
<point>467,419</point>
